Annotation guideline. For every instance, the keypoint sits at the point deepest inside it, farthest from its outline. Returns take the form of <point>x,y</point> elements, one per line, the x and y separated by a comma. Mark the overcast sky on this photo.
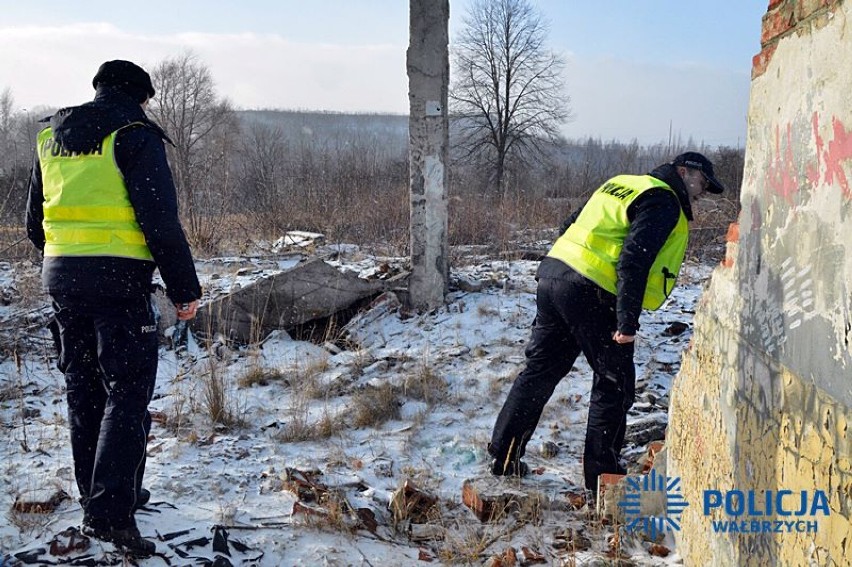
<point>635,68</point>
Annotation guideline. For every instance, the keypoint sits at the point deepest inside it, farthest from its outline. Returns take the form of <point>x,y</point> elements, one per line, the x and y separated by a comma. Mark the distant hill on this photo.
<point>331,127</point>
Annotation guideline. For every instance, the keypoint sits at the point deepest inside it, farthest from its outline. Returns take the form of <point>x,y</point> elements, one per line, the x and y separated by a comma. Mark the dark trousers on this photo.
<point>573,316</point>
<point>109,357</point>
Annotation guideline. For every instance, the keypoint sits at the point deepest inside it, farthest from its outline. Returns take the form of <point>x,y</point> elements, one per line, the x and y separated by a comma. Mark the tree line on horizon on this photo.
<point>254,174</point>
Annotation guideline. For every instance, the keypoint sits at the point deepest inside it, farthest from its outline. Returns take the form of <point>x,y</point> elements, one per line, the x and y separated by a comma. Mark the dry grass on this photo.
<point>486,310</point>
<point>259,376</point>
<point>300,426</point>
<point>375,405</point>
<point>27,523</point>
<point>425,384</point>
<point>329,425</point>
<point>495,220</point>
<point>32,519</point>
<point>219,403</point>
<point>713,216</point>
<point>366,215</point>
<point>14,244</point>
<point>343,213</point>
<point>305,378</point>
<point>177,415</point>
<point>467,543</point>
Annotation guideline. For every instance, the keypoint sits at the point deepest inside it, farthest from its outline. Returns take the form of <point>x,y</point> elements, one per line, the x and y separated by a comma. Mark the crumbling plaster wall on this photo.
<point>763,400</point>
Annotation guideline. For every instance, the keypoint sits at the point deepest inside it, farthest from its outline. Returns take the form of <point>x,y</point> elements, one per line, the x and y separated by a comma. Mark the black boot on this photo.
<point>142,498</point>
<point>509,468</point>
<point>127,539</point>
<point>505,464</point>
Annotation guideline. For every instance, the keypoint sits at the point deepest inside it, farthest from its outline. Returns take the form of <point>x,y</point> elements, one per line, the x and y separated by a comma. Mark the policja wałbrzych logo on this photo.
<point>636,487</point>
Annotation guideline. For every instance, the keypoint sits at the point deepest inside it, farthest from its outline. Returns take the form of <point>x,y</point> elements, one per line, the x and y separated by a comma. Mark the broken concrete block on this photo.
<point>166,309</point>
<point>308,291</point>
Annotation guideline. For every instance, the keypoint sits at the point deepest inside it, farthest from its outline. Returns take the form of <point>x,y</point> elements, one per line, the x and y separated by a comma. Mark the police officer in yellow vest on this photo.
<point>103,209</point>
<point>619,253</point>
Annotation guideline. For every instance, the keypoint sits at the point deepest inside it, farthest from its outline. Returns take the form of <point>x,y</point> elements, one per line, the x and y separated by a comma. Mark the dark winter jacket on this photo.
<point>652,217</point>
<point>141,158</point>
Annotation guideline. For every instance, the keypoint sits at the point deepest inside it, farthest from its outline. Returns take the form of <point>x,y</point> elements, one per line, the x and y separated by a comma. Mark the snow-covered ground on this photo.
<point>408,398</point>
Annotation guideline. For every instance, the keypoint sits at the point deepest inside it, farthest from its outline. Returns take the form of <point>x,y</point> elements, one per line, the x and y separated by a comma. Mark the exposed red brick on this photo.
<point>760,62</point>
<point>733,234</point>
<point>481,508</point>
<point>492,503</point>
<point>805,8</point>
<point>604,482</point>
<point>654,447</point>
<point>608,478</point>
<point>731,238</point>
<point>777,22</point>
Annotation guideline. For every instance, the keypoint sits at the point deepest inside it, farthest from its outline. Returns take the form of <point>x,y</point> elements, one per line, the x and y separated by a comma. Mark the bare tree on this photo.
<point>16,147</point>
<point>508,94</point>
<point>262,174</point>
<point>7,102</point>
<point>202,127</point>
<point>8,151</point>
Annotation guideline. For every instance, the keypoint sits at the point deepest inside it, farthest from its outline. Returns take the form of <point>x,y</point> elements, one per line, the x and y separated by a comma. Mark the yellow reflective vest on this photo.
<point>87,211</point>
<point>592,244</point>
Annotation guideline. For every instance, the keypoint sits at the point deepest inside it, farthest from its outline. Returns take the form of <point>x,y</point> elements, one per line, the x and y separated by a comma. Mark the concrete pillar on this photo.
<point>428,78</point>
<point>763,402</point>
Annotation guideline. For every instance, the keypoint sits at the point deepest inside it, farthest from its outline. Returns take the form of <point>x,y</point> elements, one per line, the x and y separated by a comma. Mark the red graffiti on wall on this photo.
<point>782,177</point>
<point>827,169</point>
<point>839,149</point>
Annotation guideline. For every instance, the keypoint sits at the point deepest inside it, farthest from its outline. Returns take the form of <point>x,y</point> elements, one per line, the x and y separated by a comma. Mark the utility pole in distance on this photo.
<point>428,131</point>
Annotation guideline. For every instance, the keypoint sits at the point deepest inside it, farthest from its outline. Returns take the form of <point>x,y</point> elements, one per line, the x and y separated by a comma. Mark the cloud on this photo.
<point>252,70</point>
<point>611,98</point>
